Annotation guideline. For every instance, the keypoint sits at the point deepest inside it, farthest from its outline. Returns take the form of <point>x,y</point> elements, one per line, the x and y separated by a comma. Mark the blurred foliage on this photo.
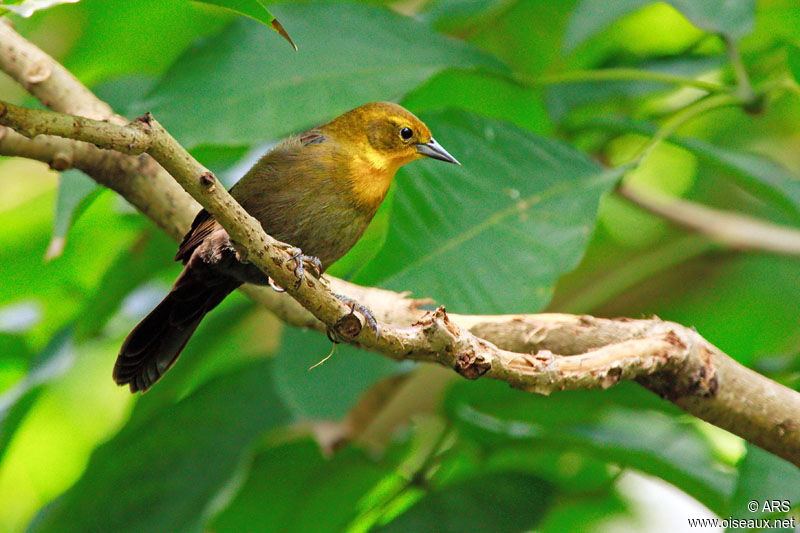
<point>241,435</point>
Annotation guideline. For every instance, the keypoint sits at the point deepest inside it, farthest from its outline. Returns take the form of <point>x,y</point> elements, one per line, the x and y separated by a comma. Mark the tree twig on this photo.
<point>540,353</point>
<point>625,74</point>
<point>731,229</point>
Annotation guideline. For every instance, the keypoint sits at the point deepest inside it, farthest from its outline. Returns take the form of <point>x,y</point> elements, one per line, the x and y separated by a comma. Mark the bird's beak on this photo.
<point>435,150</point>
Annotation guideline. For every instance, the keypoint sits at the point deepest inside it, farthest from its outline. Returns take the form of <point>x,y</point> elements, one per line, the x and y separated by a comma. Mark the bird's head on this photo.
<point>375,140</point>
<point>388,135</point>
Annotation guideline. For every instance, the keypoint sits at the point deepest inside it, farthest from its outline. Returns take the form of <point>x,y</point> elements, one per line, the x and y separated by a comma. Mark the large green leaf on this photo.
<point>483,94</point>
<point>330,389</point>
<point>236,88</point>
<point>445,12</point>
<point>256,10</point>
<point>764,478</point>
<point>292,487</point>
<point>162,473</point>
<point>624,425</point>
<point>732,18</point>
<point>508,502</point>
<point>494,234</point>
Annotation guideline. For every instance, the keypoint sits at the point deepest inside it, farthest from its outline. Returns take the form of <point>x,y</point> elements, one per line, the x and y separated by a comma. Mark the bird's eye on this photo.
<point>406,133</point>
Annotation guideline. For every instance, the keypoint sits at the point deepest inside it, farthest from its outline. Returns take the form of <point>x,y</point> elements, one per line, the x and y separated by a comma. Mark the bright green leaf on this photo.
<point>26,8</point>
<point>732,18</point>
<point>755,173</point>
<point>76,191</point>
<point>494,234</point>
<point>793,60</point>
<point>235,88</point>
<point>54,360</point>
<point>256,10</point>
<point>132,267</point>
<point>509,502</point>
<point>119,37</point>
<point>160,474</point>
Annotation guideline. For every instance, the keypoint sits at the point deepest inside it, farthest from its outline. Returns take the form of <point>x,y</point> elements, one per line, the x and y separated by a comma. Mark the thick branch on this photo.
<point>667,358</point>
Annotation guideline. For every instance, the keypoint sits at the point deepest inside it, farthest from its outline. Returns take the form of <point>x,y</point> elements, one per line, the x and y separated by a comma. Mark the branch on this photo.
<point>624,74</point>
<point>539,353</point>
<point>731,229</point>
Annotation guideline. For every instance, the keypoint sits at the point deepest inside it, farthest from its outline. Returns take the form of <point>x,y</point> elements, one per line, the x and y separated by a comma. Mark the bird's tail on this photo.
<point>157,341</point>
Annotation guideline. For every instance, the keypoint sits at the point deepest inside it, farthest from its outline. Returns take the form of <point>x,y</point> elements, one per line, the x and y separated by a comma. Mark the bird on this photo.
<point>316,191</point>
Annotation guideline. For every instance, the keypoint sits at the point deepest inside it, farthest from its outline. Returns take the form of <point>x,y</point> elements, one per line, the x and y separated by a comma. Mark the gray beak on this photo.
<point>435,150</point>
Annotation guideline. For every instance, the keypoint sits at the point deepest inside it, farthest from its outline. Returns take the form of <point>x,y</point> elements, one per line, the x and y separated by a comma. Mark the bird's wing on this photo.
<point>311,137</point>
<point>202,227</point>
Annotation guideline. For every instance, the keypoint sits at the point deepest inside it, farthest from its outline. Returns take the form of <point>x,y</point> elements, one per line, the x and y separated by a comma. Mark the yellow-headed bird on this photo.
<point>317,191</point>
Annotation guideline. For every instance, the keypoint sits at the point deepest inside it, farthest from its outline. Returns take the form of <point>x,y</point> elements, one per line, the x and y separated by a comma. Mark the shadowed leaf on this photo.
<point>160,474</point>
<point>292,487</point>
<point>625,425</point>
<point>507,502</point>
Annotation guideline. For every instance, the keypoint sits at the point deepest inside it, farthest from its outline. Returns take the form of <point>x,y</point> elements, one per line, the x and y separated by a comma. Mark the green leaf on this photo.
<point>291,487</point>
<point>251,93</point>
<point>625,425</point>
<point>222,343</point>
<point>561,99</point>
<point>509,502</point>
<point>115,37</point>
<point>76,191</point>
<point>483,94</point>
<point>793,61</point>
<point>54,360</point>
<point>731,18</point>
<point>149,254</point>
<point>330,389</point>
<point>464,11</point>
<point>757,174</point>
<point>495,233</point>
<point>26,8</point>
<point>256,10</point>
<point>764,477</point>
<point>162,473</point>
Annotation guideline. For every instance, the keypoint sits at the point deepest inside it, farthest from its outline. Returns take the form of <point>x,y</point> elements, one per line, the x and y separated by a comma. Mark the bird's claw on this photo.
<point>355,306</point>
<point>302,263</point>
<point>275,286</point>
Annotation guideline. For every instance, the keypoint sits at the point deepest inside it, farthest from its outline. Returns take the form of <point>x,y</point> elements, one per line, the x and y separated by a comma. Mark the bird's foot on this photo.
<point>349,326</point>
<point>302,262</point>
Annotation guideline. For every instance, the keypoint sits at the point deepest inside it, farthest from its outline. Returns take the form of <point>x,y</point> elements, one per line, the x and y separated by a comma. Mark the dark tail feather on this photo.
<point>157,341</point>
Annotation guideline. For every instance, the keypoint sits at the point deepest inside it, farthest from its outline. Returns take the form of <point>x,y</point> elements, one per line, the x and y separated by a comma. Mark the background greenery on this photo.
<point>239,435</point>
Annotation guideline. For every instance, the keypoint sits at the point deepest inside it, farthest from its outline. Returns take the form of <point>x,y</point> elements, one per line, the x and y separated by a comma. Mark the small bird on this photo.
<point>317,191</point>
